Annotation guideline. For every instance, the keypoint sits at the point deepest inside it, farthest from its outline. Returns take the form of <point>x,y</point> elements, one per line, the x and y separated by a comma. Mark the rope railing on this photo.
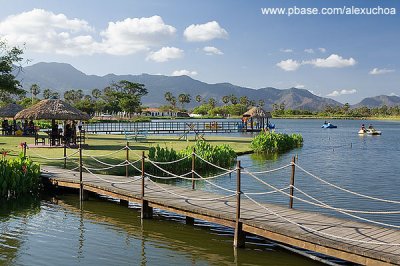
<point>272,170</point>
<point>105,155</point>
<point>213,184</point>
<point>317,231</point>
<point>108,181</point>
<point>51,158</point>
<point>170,177</point>
<point>190,198</point>
<point>210,163</point>
<point>344,189</point>
<point>171,162</point>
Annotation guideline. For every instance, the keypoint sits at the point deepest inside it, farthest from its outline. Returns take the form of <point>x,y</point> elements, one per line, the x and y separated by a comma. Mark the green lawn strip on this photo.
<point>100,145</point>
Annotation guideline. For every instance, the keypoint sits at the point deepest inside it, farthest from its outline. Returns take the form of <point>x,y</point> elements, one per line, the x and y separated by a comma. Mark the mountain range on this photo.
<point>61,77</point>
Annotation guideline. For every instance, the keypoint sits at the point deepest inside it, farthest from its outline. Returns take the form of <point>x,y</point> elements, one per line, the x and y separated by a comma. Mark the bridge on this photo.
<point>359,240</point>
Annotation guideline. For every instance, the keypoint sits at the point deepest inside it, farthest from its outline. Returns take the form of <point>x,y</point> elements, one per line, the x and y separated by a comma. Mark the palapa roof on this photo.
<point>52,109</point>
<point>10,110</point>
<point>257,112</point>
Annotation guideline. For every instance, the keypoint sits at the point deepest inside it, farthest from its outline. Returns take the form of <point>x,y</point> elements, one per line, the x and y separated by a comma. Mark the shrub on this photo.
<point>276,142</point>
<point>18,176</point>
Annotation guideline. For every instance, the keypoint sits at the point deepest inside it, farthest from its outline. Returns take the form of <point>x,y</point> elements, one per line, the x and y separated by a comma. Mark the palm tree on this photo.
<point>35,90</point>
<point>173,101</point>
<point>244,100</point>
<point>168,96</point>
<point>96,93</point>
<point>234,99</point>
<point>212,102</point>
<point>261,103</point>
<point>226,99</point>
<point>198,98</point>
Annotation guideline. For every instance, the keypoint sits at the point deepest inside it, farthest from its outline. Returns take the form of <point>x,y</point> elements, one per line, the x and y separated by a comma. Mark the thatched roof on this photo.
<point>52,109</point>
<point>257,112</point>
<point>10,110</point>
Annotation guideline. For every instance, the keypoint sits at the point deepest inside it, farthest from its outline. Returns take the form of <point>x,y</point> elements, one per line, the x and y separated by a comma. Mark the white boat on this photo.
<point>369,132</point>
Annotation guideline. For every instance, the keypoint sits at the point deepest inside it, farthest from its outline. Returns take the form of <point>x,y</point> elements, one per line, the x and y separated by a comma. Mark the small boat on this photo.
<point>328,125</point>
<point>369,132</point>
<point>271,126</point>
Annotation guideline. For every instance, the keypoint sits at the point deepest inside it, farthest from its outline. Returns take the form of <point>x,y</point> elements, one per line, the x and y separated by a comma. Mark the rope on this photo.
<point>107,164</point>
<point>195,199</point>
<point>112,182</point>
<point>215,176</point>
<point>170,177</point>
<point>124,163</point>
<point>272,170</point>
<point>269,192</point>
<point>62,172</point>
<point>105,155</point>
<point>215,185</point>
<point>54,159</point>
<point>216,166</point>
<point>165,171</point>
<point>318,232</point>
<point>176,161</point>
<point>346,190</point>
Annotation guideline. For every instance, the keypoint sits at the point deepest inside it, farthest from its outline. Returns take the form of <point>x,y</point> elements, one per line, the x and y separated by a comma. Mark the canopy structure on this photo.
<point>10,110</point>
<point>257,118</point>
<point>52,109</point>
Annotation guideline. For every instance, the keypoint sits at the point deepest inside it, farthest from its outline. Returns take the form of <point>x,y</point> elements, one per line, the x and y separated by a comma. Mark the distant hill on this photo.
<point>62,77</point>
<point>379,101</point>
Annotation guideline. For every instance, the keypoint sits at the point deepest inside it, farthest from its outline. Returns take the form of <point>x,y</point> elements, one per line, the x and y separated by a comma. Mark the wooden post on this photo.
<point>146,211</point>
<point>127,159</point>
<point>24,149</point>
<point>65,154</point>
<point>193,168</point>
<point>239,237</point>
<point>80,173</point>
<point>292,183</point>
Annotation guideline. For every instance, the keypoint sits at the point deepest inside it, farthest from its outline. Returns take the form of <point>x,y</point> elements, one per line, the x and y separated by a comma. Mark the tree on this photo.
<point>96,93</point>
<point>212,102</point>
<point>173,102</point>
<point>244,100</point>
<point>234,99</point>
<point>9,58</point>
<point>168,96</point>
<point>35,90</point>
<point>226,99</point>
<point>261,103</point>
<point>73,96</point>
<point>184,98</point>
<point>49,94</point>
<point>198,98</point>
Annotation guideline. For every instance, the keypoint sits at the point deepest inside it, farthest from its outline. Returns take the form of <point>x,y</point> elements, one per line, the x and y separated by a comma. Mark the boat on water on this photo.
<point>369,132</point>
<point>328,125</point>
<point>271,126</point>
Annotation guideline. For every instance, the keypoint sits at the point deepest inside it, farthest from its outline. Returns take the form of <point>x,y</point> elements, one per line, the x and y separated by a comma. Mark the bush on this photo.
<point>221,155</point>
<point>18,176</point>
<point>276,142</point>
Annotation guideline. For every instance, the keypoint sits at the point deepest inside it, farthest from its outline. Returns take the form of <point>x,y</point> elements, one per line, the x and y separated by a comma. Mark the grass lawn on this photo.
<point>100,145</point>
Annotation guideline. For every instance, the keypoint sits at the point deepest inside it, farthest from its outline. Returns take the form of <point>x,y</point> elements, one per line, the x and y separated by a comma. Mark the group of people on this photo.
<point>18,128</point>
<point>370,127</point>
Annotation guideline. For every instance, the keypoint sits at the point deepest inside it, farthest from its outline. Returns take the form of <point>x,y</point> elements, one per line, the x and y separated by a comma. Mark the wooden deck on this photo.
<point>255,220</point>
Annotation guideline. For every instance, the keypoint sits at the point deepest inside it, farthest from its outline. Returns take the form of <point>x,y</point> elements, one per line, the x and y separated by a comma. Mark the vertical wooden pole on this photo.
<point>24,149</point>
<point>65,155</point>
<point>292,182</point>
<point>193,168</point>
<point>80,173</point>
<point>146,211</point>
<point>239,237</point>
<point>127,160</point>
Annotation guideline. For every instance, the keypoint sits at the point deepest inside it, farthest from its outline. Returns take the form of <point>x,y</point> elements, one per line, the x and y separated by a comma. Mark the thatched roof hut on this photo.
<point>10,110</point>
<point>52,109</point>
<point>258,119</point>
<point>257,112</point>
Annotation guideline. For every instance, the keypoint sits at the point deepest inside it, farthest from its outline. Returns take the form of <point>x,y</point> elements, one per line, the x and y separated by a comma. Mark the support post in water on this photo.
<point>239,237</point>
<point>127,160</point>
<point>80,173</point>
<point>65,154</point>
<point>146,211</point>
<point>193,168</point>
<point>291,189</point>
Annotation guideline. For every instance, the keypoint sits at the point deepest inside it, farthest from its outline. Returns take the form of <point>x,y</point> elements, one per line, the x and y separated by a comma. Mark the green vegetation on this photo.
<point>271,142</point>
<point>222,155</point>
<point>18,176</point>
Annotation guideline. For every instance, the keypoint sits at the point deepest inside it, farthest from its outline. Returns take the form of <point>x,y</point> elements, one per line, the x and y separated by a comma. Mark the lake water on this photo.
<point>50,231</point>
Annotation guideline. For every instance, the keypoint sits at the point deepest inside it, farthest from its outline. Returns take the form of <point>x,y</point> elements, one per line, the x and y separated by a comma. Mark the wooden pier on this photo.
<point>272,224</point>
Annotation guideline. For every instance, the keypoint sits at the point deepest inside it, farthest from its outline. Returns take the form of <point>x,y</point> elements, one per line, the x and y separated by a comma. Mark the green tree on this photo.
<point>261,103</point>
<point>168,96</point>
<point>212,102</point>
<point>198,98</point>
<point>9,58</point>
<point>234,99</point>
<point>96,93</point>
<point>226,99</point>
<point>244,100</point>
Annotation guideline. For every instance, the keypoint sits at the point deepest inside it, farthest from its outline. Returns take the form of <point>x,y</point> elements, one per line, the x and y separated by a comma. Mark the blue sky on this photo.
<point>344,57</point>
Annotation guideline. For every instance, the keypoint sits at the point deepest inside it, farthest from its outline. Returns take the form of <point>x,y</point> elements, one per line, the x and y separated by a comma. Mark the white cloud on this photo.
<point>136,34</point>
<point>341,92</point>
<point>286,50</point>
<point>289,65</point>
<point>184,72</point>
<point>310,51</point>
<point>322,50</point>
<point>299,86</point>
<point>46,32</point>
<point>205,32</point>
<point>165,54</point>
<point>333,60</point>
<point>210,50</point>
<point>377,71</point>
<point>393,94</point>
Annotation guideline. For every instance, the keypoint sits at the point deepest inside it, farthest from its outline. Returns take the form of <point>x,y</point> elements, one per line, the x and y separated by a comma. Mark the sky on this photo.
<point>346,57</point>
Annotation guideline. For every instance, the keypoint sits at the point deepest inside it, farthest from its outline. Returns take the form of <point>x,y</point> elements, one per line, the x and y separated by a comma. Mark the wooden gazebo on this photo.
<point>52,109</point>
<point>10,110</point>
<point>257,118</point>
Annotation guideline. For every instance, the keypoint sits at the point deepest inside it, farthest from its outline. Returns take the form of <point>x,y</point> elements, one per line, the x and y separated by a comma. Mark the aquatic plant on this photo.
<point>276,142</point>
<point>18,176</point>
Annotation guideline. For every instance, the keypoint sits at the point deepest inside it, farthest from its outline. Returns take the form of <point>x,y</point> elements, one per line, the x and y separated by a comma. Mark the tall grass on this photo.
<point>271,142</point>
